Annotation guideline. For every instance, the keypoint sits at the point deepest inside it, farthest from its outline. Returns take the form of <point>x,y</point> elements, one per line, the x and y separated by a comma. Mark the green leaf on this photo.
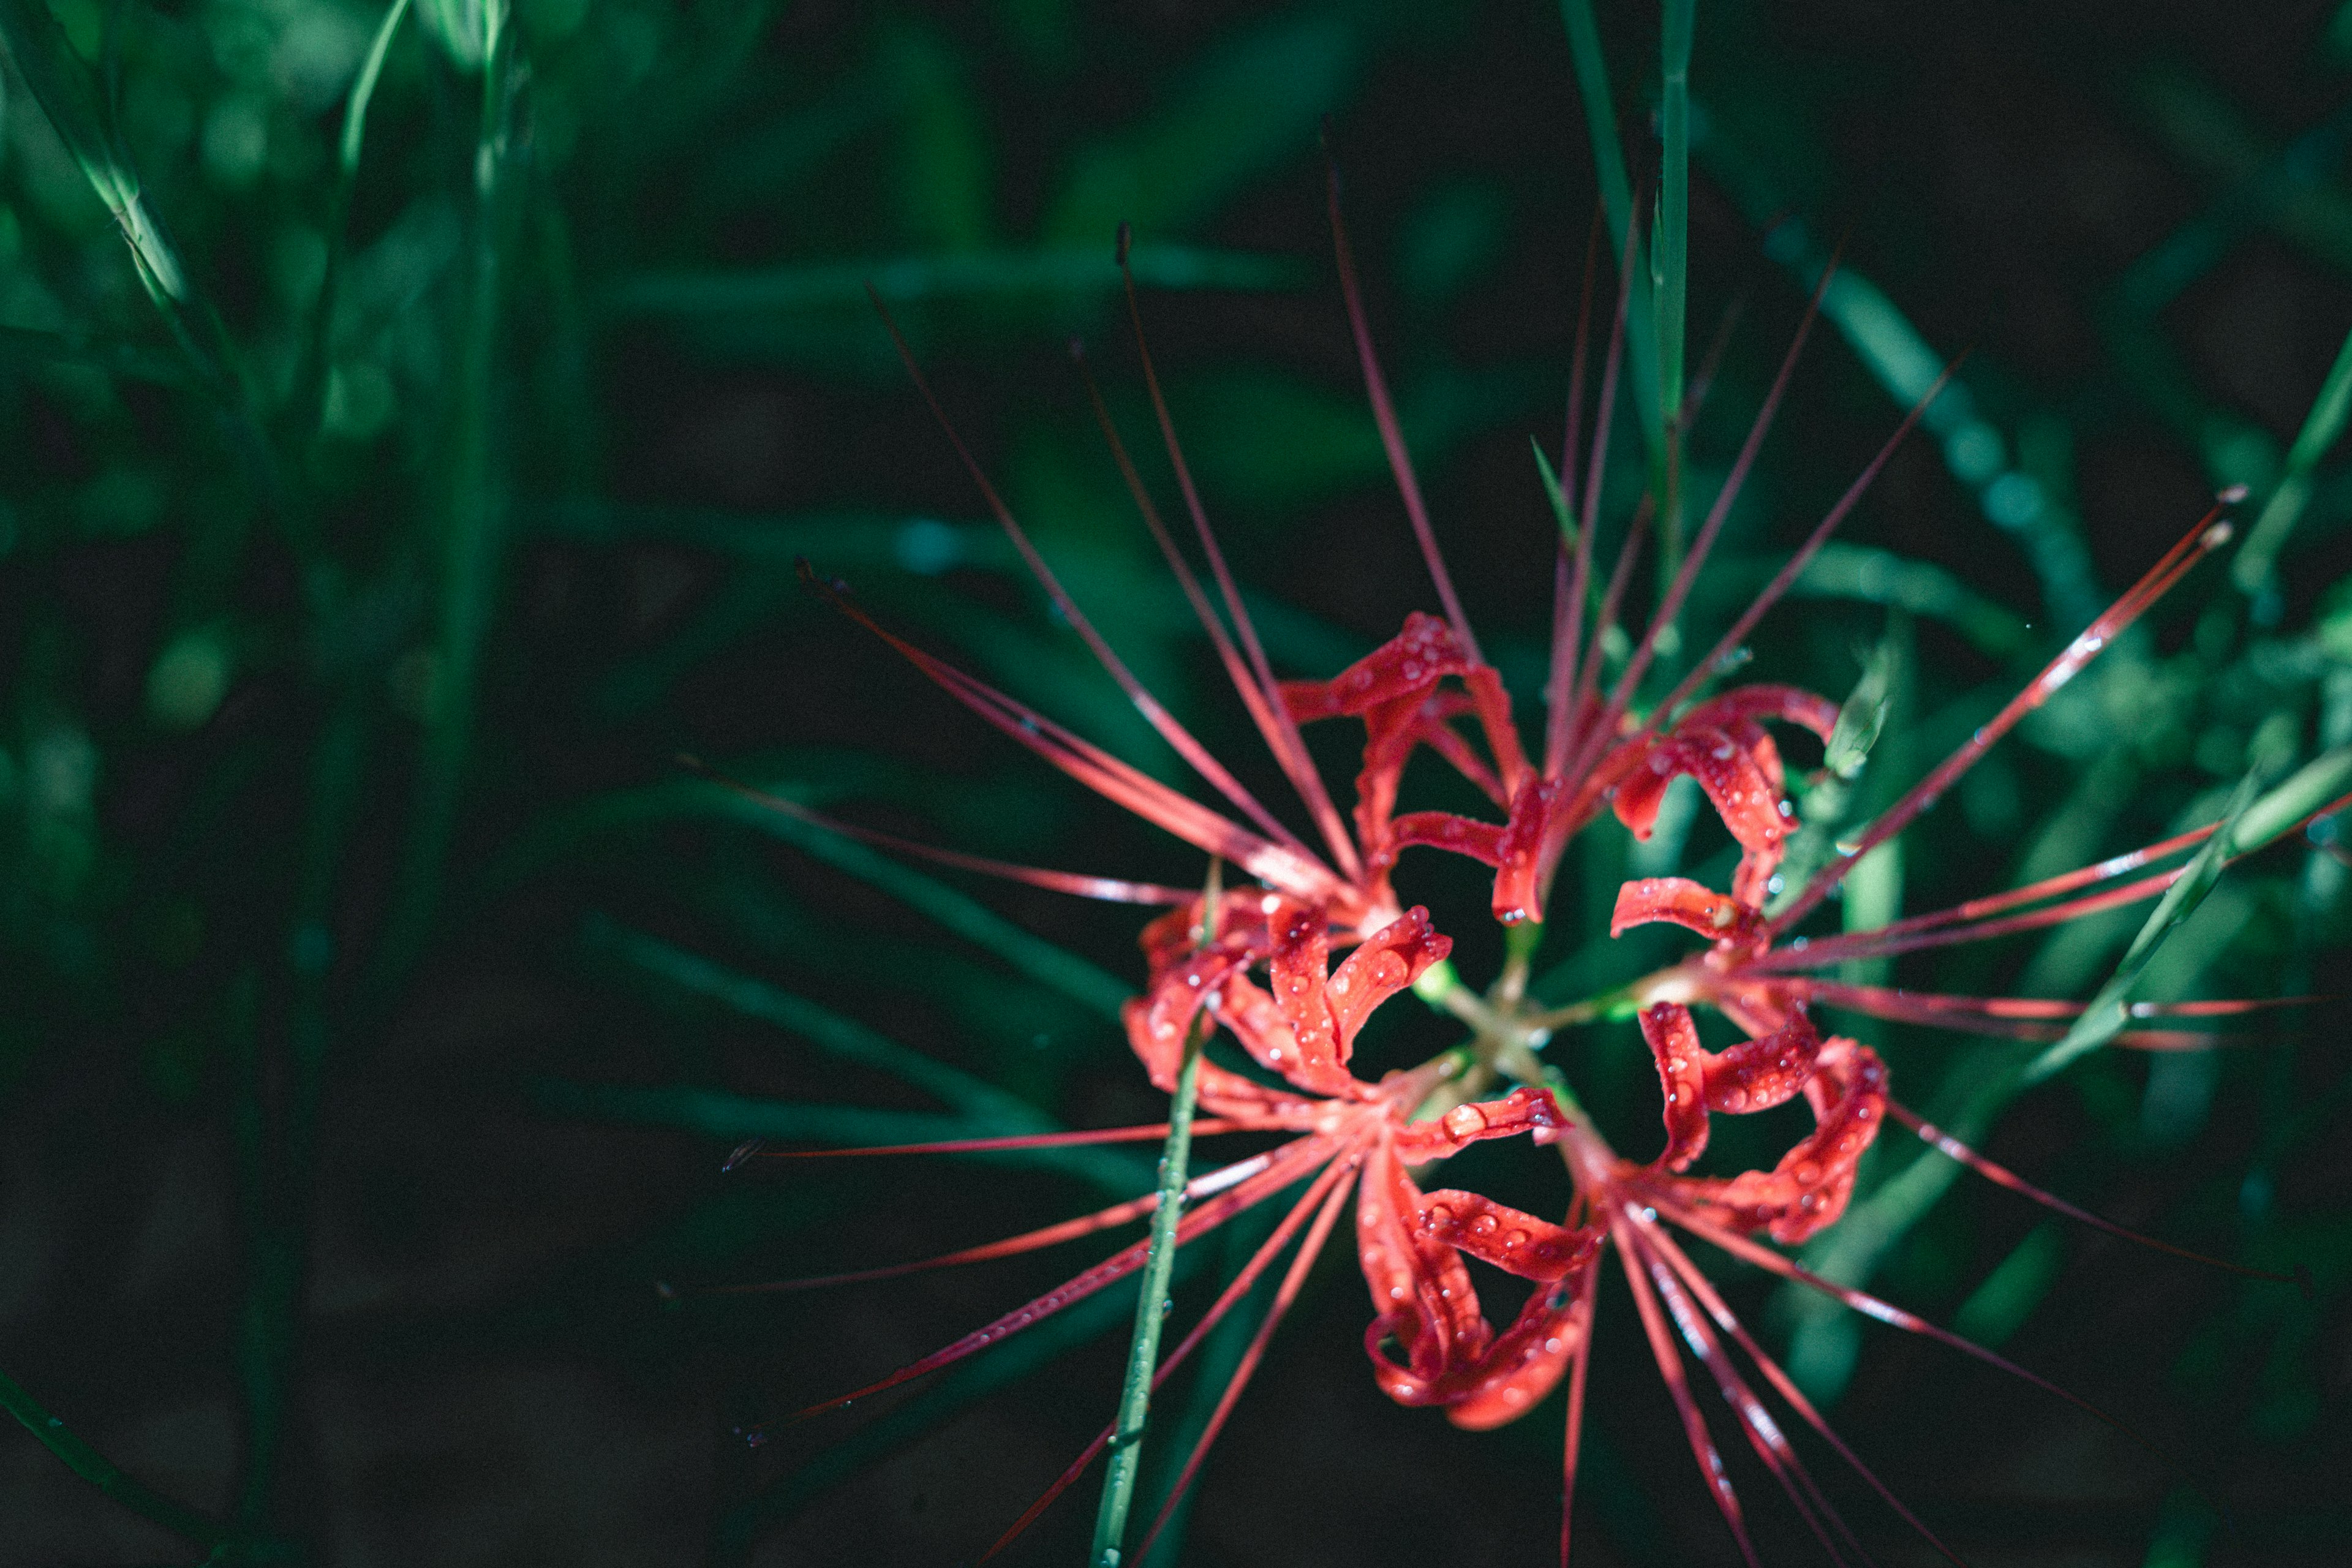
<point>2107,1011</point>
<point>1863,714</point>
<point>104,1473</point>
<point>2330,412</point>
<point>1074,269</point>
<point>1249,107</point>
<point>1554,494</point>
<point>837,1037</point>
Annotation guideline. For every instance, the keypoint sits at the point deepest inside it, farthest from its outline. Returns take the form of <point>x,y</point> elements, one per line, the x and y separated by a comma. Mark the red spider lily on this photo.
<point>1429,1342</point>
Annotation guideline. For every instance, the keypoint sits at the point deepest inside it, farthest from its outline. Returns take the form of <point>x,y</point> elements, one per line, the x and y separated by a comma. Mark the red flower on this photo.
<point>1429,1342</point>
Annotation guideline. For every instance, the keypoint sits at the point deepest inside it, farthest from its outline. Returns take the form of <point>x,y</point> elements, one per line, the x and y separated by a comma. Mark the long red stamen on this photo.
<point>2025,1018</point>
<point>2209,535</point>
<point>1332,1182</point>
<point>1109,777</point>
<point>1592,741</point>
<point>1870,1306</point>
<point>1568,583</point>
<point>1158,717</point>
<point>1671,605</point>
<point>1579,1364</point>
<point>1028,1241</point>
<point>1285,1294</point>
<point>1261,696</point>
<point>1391,434</point>
<point>1763,1433</point>
<point>1773,591</point>
<point>1945,1143</point>
<point>1288,1165</point>
<point>1202,1129</point>
<point>1938,929</point>
<point>1107,890</point>
<point>1670,1367</point>
<point>1787,1388</point>
<point>1560,736</point>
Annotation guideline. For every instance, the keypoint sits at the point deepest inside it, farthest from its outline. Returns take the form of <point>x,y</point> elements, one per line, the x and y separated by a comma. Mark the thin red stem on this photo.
<point>1107,890</point>
<point>1945,1143</point>
<point>1181,739</point>
<point>1280,728</point>
<point>1670,1367</point>
<point>1391,433</point>
<point>2209,535</point>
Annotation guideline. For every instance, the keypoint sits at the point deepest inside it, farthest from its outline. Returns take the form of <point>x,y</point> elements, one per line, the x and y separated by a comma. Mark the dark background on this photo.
<point>367,1052</point>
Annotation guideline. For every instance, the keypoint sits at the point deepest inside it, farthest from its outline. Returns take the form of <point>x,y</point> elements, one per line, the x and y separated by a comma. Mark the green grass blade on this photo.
<point>1040,960</point>
<point>104,1473</point>
<point>840,1037</point>
<point>310,400</point>
<point>1554,495</point>
<point>1617,207</point>
<point>2248,825</point>
<point>1600,115</point>
<point>470,546</point>
<point>978,275</point>
<point>2258,557</point>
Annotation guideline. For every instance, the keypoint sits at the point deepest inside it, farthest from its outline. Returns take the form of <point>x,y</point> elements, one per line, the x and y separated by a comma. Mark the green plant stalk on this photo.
<point>104,1473</point>
<point>470,543</point>
<point>1151,1305</point>
<point>283,1177</point>
<point>310,400</point>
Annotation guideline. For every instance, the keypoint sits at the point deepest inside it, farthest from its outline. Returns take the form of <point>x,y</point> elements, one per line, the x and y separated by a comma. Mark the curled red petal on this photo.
<point>1444,830</point>
<point>1511,1239</point>
<point>1680,901</point>
<point>1754,1075</point>
<point>1524,1364</point>
<point>1672,1039</point>
<point>1383,965</point>
<point>1526,1109</point>
<point>1808,1190</point>
<point>1405,665</point>
<point>1422,1294</point>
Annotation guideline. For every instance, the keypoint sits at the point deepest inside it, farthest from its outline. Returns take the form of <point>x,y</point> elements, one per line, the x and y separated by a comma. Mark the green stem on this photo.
<point>104,1473</point>
<point>470,544</point>
<point>1151,1305</point>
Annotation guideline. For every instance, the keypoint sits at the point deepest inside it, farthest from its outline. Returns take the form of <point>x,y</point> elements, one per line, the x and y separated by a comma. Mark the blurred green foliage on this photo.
<point>395,482</point>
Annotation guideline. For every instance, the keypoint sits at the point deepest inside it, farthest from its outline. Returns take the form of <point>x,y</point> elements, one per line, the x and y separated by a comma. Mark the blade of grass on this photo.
<point>2247,824</point>
<point>285,1174</point>
<point>104,1473</point>
<point>1670,248</point>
